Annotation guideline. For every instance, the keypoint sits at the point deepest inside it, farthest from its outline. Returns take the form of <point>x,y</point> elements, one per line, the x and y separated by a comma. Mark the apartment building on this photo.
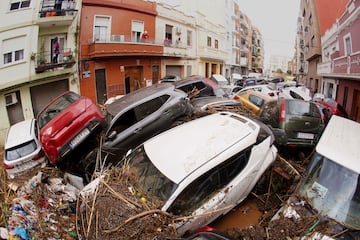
<point>31,76</point>
<point>315,17</point>
<point>257,51</point>
<point>340,68</point>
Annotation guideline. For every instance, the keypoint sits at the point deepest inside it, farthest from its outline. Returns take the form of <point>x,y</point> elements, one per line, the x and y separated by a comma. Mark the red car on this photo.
<point>66,123</point>
<point>333,107</point>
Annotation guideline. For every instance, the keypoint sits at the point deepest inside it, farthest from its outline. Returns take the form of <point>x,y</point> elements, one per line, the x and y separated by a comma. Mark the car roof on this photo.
<point>139,96</point>
<point>340,142</point>
<point>264,96</point>
<point>212,100</point>
<point>19,133</point>
<point>196,78</point>
<point>195,143</point>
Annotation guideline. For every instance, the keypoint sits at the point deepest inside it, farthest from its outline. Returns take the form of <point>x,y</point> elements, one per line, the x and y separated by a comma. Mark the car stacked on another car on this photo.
<point>263,88</point>
<point>212,163</point>
<point>68,127</point>
<point>139,115</point>
<point>22,150</point>
<point>295,122</point>
<point>252,99</point>
<point>198,86</point>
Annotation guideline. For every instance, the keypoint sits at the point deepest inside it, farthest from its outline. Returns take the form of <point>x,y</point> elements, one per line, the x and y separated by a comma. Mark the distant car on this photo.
<point>295,123</point>
<point>213,162</point>
<point>22,150</point>
<point>252,99</point>
<point>230,90</point>
<point>170,78</point>
<point>220,79</point>
<point>67,124</point>
<point>205,103</point>
<point>249,82</point>
<point>263,88</point>
<point>301,93</point>
<point>333,107</point>
<point>139,115</point>
<point>198,86</point>
<point>330,188</point>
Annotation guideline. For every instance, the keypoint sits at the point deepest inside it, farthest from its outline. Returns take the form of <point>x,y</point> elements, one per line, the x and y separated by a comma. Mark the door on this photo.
<point>133,78</point>
<point>100,78</point>
<point>44,93</point>
<point>356,106</point>
<point>14,107</point>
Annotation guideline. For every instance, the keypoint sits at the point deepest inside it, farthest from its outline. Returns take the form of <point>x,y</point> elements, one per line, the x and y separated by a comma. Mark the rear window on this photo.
<point>56,107</point>
<point>20,151</point>
<point>302,108</point>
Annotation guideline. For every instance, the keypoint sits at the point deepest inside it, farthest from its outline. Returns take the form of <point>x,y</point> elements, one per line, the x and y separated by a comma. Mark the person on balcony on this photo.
<point>144,36</point>
<point>56,49</point>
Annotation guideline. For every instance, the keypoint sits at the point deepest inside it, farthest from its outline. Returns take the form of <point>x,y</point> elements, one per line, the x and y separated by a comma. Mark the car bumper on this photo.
<point>23,167</point>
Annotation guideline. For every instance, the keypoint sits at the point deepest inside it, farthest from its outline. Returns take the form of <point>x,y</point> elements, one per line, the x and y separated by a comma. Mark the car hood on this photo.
<point>65,117</point>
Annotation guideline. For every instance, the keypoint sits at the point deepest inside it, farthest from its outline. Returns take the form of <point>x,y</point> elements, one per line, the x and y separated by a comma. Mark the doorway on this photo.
<point>133,78</point>
<point>100,78</point>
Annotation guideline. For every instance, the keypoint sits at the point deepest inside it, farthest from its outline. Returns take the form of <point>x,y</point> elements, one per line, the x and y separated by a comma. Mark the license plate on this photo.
<point>305,135</point>
<point>81,136</point>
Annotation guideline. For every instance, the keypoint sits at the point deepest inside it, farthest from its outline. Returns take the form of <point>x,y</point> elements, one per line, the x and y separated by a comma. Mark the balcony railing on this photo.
<point>52,8</point>
<point>44,60</point>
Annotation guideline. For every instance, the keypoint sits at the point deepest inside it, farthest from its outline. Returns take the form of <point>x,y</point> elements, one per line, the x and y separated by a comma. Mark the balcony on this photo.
<point>123,45</point>
<point>59,12</point>
<point>44,61</point>
<point>312,53</point>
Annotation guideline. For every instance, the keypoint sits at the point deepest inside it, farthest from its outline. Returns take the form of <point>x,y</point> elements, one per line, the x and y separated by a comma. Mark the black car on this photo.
<point>138,116</point>
<point>197,86</point>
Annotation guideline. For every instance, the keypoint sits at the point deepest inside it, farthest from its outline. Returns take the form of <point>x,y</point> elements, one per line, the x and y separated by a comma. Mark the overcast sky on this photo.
<point>276,20</point>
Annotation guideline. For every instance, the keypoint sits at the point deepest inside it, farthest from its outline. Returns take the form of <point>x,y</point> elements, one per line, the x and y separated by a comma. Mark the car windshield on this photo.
<point>56,107</point>
<point>302,108</point>
<point>333,190</point>
<point>149,179</point>
<point>20,151</point>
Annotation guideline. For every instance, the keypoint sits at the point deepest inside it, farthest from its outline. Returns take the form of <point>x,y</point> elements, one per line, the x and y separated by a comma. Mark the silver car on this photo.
<point>23,151</point>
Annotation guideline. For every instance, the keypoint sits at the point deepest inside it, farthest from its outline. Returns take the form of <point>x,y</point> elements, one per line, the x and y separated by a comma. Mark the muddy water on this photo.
<point>244,215</point>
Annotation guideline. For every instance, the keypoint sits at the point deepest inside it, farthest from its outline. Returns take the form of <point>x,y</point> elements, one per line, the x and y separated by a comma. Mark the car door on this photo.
<point>137,125</point>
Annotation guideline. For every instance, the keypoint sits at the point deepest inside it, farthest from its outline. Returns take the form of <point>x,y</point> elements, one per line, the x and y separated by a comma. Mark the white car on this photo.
<point>211,165</point>
<point>263,88</point>
<point>22,150</point>
<point>300,92</point>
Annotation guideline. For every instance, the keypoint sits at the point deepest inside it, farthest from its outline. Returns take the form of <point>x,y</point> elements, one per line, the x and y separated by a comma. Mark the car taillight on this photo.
<point>39,155</point>
<point>236,97</point>
<point>283,111</point>
<point>8,166</point>
<point>271,94</point>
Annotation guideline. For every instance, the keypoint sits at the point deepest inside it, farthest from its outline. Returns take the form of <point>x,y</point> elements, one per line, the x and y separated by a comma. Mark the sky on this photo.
<point>276,21</point>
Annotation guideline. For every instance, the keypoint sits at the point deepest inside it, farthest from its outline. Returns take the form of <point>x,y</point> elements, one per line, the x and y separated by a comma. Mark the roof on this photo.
<point>19,133</point>
<point>139,96</point>
<point>193,144</point>
<point>340,142</point>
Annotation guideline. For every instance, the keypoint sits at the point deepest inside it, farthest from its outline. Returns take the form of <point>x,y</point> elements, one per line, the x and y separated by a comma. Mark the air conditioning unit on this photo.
<point>178,30</point>
<point>117,38</point>
<point>10,99</point>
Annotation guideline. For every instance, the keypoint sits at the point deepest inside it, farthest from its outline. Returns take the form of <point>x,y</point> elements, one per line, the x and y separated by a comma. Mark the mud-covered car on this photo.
<point>139,115</point>
<point>199,86</point>
<point>211,165</point>
<point>22,150</point>
<point>67,124</point>
<point>294,122</point>
<point>329,192</point>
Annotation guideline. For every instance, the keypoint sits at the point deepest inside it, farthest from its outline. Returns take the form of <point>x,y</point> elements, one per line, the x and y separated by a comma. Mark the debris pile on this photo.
<point>109,208</point>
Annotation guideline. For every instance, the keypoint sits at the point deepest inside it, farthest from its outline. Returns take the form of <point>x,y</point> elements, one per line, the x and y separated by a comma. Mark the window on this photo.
<point>168,34</point>
<point>12,52</point>
<point>188,38</point>
<point>209,41</point>
<point>16,4</point>
<point>347,42</point>
<point>137,28</point>
<point>216,43</point>
<point>312,41</point>
<point>256,100</point>
<point>207,185</point>
<point>101,29</point>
